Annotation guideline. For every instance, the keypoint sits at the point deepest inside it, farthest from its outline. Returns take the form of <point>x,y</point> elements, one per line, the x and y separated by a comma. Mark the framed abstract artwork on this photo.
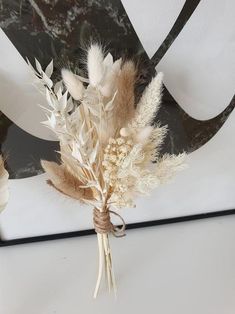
<point>191,42</point>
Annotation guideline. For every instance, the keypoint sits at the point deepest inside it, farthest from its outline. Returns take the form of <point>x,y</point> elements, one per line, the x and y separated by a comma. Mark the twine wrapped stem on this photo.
<point>104,226</point>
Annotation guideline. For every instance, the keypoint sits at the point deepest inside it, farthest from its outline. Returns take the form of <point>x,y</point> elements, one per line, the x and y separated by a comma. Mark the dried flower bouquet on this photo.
<point>109,146</point>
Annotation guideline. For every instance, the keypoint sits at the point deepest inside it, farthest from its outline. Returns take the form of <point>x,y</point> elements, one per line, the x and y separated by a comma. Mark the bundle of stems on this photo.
<point>109,145</point>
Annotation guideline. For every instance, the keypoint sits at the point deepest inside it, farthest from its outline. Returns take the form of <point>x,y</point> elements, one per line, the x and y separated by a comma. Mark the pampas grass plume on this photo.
<point>149,103</point>
<point>124,108</point>
<point>143,135</point>
<point>168,165</point>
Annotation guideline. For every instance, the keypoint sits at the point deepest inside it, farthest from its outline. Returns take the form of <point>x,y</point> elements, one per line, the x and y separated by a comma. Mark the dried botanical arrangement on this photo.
<point>4,185</point>
<point>109,146</point>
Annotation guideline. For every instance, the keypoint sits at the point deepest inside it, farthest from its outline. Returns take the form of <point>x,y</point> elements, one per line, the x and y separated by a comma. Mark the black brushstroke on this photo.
<point>64,39</point>
<point>186,134</point>
<point>23,151</point>
<point>185,14</point>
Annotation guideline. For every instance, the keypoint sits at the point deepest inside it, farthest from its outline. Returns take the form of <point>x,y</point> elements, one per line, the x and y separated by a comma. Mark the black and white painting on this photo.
<point>192,42</point>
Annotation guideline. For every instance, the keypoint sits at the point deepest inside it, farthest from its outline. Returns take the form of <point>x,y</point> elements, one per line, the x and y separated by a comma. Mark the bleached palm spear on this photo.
<point>4,185</point>
<point>107,142</point>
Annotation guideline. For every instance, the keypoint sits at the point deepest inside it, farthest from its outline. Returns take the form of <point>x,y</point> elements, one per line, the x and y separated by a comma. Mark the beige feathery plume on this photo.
<point>4,185</point>
<point>149,103</point>
<point>156,140</point>
<point>73,84</point>
<point>143,134</point>
<point>62,180</point>
<point>124,102</point>
<point>168,165</point>
<point>153,144</point>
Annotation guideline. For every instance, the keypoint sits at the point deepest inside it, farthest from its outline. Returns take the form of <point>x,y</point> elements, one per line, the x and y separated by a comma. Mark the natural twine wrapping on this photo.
<point>103,224</point>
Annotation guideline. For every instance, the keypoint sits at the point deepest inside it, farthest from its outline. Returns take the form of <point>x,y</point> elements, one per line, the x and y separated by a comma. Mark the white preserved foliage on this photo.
<point>115,168</point>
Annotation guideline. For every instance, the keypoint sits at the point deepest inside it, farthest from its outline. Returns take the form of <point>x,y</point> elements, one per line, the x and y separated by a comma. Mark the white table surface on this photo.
<point>184,268</point>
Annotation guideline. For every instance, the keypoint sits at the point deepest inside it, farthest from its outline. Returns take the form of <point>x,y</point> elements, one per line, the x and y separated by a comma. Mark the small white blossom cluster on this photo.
<point>125,171</point>
<point>114,154</point>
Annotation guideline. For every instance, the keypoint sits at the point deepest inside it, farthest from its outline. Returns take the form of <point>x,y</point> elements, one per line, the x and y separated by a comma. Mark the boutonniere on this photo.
<point>109,144</point>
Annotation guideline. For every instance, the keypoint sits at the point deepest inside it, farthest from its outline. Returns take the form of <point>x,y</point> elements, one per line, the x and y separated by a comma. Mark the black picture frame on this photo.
<point>13,32</point>
<point>151,223</point>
